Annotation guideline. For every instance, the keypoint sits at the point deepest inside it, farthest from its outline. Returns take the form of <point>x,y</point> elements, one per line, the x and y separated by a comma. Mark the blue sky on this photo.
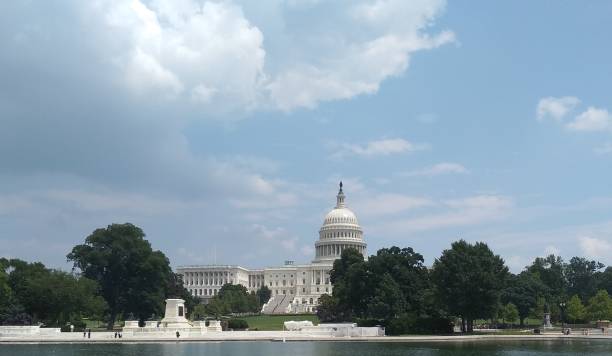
<point>223,128</point>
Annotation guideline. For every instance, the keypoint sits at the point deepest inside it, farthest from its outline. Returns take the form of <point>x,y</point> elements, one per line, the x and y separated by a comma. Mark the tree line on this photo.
<point>468,282</point>
<point>116,275</point>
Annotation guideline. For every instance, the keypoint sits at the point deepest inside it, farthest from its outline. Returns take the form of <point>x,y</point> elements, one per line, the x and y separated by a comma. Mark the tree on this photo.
<point>575,311</point>
<point>509,313</point>
<point>469,280</point>
<point>551,271</point>
<point>49,296</point>
<point>406,269</point>
<point>600,306</point>
<point>233,299</point>
<point>263,295</point>
<point>132,277</point>
<point>581,275</point>
<point>604,280</point>
<point>327,310</point>
<point>349,277</point>
<point>523,290</point>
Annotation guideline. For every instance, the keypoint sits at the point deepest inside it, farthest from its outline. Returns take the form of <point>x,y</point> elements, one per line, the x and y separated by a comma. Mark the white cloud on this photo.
<point>551,250</point>
<point>593,119</point>
<point>439,169</point>
<point>385,204</point>
<point>556,107</point>
<point>213,52</point>
<point>467,211</point>
<point>275,237</point>
<point>206,50</point>
<point>382,147</point>
<point>595,248</point>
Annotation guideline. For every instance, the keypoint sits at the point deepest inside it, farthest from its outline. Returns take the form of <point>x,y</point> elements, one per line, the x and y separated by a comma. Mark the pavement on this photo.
<point>280,336</point>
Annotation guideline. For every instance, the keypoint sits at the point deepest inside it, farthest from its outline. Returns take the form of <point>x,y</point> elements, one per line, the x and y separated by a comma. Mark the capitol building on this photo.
<point>295,288</point>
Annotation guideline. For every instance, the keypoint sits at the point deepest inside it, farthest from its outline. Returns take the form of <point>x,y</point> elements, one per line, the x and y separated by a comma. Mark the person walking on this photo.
<point>178,334</point>
<point>89,333</point>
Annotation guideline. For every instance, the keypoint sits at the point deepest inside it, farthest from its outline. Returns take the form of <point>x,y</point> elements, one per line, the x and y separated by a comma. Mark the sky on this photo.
<point>222,128</point>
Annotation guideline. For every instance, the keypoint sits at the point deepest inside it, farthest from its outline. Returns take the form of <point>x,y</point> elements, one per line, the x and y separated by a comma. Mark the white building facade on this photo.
<point>295,288</point>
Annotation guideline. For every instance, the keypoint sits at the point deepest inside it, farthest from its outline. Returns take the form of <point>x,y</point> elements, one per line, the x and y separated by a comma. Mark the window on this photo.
<point>303,290</point>
<point>303,281</point>
<point>317,289</point>
<point>180,311</point>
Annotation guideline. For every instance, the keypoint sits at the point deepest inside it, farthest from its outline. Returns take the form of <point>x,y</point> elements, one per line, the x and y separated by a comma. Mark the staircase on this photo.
<point>277,305</point>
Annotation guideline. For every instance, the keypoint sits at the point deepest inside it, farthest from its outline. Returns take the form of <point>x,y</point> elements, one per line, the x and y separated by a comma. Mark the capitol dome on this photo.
<point>340,230</point>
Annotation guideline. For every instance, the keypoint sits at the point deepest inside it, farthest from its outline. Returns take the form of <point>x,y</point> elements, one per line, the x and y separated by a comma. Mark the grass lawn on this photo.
<point>275,322</point>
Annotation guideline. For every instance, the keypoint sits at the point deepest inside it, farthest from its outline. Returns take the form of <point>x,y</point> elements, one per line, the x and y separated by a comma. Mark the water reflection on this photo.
<point>505,348</point>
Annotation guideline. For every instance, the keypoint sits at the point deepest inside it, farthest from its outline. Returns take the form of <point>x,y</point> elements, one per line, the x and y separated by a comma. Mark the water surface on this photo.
<point>264,348</point>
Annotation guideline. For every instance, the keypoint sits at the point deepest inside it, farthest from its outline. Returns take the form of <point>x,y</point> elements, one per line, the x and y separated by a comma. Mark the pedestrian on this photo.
<point>178,334</point>
<point>89,333</point>
<point>120,335</point>
<point>115,334</point>
<point>84,333</point>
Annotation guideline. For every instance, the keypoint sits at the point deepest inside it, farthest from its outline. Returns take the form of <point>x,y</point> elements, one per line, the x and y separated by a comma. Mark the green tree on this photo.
<point>232,299</point>
<point>551,271</point>
<point>600,306</point>
<point>198,312</point>
<point>349,277</point>
<point>575,310</point>
<point>523,290</point>
<point>581,275</point>
<point>132,277</point>
<point>327,310</point>
<point>510,313</point>
<point>50,296</point>
<point>263,295</point>
<point>469,280</point>
<point>604,280</point>
<point>406,272</point>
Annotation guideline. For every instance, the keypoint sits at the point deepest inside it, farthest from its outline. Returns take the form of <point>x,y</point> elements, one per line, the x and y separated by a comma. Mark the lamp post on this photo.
<point>562,306</point>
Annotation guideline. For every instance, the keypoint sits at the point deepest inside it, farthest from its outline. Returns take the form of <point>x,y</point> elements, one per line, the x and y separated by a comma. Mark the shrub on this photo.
<point>237,324</point>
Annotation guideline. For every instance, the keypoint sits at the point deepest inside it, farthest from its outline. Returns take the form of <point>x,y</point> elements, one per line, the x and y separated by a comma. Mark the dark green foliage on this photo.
<point>132,277</point>
<point>580,274</point>
<point>263,295</point>
<point>237,324</point>
<point>328,309</point>
<point>551,271</point>
<point>38,294</point>
<point>524,290</point>
<point>469,280</point>
<point>389,289</point>
<point>233,299</point>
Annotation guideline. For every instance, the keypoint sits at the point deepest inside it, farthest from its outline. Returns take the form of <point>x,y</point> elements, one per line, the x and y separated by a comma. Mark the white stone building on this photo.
<point>295,288</point>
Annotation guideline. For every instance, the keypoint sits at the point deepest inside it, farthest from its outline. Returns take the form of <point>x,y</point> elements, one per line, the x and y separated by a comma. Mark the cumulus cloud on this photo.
<point>594,247</point>
<point>213,54</point>
<point>556,107</point>
<point>382,147</point>
<point>374,43</point>
<point>439,169</point>
<point>593,119</point>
